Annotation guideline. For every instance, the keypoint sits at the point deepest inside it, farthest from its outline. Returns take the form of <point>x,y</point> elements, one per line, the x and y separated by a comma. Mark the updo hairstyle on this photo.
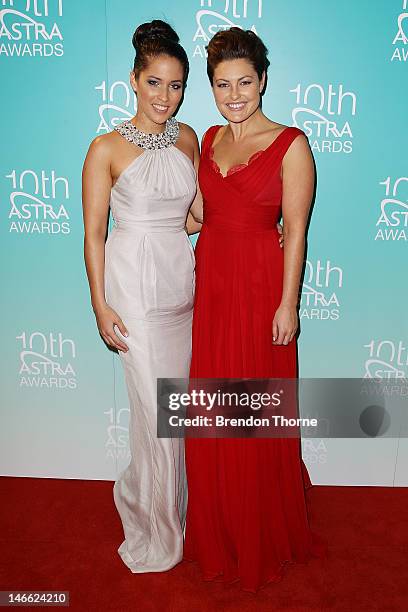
<point>156,38</point>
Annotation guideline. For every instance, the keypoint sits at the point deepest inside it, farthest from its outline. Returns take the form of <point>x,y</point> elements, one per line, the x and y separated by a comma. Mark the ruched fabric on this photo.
<point>149,281</point>
<point>247,514</point>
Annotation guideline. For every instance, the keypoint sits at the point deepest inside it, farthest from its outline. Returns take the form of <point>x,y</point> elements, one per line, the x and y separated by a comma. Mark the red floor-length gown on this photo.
<point>246,511</point>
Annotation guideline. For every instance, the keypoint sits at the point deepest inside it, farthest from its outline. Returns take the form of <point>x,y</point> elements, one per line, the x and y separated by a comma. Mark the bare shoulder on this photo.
<point>219,134</point>
<point>187,133</point>
<point>277,126</point>
<point>102,146</point>
<point>299,144</point>
<point>188,142</point>
<point>271,132</point>
<point>298,152</point>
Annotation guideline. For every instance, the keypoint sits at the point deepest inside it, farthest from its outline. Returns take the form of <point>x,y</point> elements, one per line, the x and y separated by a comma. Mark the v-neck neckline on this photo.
<point>254,157</point>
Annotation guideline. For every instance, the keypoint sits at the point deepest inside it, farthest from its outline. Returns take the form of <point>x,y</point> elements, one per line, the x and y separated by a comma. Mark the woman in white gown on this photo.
<point>142,284</point>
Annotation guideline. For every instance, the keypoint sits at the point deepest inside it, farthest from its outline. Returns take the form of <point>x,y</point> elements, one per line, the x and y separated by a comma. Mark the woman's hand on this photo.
<point>106,318</point>
<point>280,230</point>
<point>285,324</point>
<point>192,226</point>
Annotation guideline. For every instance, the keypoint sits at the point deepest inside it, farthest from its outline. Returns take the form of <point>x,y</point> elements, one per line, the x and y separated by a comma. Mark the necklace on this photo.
<point>150,141</point>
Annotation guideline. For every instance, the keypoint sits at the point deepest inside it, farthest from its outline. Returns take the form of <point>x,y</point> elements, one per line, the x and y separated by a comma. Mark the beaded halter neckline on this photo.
<point>150,141</point>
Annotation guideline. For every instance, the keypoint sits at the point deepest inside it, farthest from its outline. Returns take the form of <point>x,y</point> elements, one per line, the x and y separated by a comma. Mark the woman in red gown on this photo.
<point>247,511</point>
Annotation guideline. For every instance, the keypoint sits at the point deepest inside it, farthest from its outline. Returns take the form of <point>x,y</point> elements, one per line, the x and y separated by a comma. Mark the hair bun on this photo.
<point>153,29</point>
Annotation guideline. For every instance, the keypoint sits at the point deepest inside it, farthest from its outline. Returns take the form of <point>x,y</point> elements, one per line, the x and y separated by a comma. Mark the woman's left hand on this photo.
<point>284,325</point>
<point>280,230</point>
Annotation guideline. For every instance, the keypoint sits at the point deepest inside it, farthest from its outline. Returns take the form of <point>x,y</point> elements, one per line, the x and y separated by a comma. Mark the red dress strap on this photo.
<point>288,135</point>
<point>208,138</point>
<point>278,147</point>
<point>296,131</point>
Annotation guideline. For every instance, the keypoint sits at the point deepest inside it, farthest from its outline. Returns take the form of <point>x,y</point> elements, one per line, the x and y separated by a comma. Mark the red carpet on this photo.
<point>64,534</point>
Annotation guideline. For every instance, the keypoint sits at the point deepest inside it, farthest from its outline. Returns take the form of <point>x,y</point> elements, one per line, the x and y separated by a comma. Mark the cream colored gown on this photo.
<point>149,282</point>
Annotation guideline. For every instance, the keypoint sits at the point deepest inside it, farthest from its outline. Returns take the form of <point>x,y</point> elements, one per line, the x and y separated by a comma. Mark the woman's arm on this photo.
<point>298,178</point>
<point>96,186</point>
<point>196,208</point>
<point>190,147</point>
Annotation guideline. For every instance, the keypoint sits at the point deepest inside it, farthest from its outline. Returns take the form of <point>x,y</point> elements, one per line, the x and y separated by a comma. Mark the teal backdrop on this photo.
<point>338,71</point>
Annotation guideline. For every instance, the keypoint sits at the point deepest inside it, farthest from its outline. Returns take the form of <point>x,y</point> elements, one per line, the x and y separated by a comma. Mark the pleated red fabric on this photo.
<point>247,513</point>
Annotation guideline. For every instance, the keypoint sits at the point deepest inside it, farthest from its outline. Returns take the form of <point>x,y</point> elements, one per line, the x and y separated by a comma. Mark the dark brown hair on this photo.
<point>155,38</point>
<point>236,44</point>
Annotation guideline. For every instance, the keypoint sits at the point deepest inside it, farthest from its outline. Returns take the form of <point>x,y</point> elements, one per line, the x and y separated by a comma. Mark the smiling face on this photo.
<point>159,88</point>
<point>237,88</point>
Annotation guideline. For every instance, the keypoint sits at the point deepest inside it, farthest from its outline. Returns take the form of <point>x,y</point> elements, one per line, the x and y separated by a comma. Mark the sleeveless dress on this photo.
<point>247,513</point>
<point>149,282</point>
